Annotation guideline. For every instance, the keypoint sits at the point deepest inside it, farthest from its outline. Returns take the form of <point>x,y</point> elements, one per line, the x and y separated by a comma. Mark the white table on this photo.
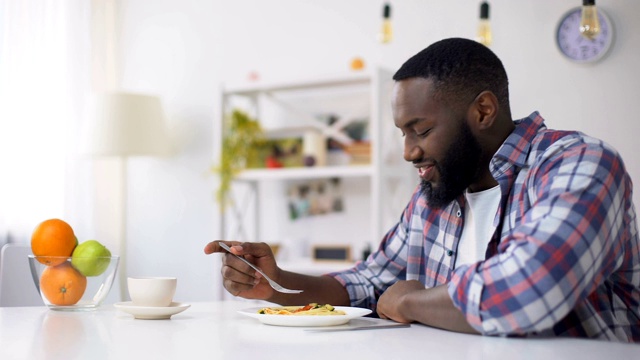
<point>214,330</point>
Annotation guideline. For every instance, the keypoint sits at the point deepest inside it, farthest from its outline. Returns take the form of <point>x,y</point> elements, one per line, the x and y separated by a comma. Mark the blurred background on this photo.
<point>56,55</point>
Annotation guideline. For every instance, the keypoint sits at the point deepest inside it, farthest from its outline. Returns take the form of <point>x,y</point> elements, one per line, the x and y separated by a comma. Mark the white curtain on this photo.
<point>45,80</point>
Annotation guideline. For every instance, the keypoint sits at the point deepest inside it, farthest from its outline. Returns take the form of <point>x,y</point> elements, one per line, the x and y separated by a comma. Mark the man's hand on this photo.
<point>239,278</point>
<point>409,301</point>
<point>391,304</point>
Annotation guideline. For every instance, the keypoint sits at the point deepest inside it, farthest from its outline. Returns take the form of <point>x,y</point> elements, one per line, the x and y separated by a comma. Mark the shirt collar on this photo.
<point>515,149</point>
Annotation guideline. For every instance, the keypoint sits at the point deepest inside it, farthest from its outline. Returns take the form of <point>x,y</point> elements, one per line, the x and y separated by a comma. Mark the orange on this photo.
<point>357,64</point>
<point>53,237</point>
<point>62,284</point>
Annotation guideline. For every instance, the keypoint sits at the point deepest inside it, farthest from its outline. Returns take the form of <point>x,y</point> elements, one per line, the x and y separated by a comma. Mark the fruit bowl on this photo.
<point>73,284</point>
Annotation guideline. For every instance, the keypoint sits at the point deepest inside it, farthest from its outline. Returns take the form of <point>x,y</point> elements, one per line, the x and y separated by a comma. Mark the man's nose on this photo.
<point>412,152</point>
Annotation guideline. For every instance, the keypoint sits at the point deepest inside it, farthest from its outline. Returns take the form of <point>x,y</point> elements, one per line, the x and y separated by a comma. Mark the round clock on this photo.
<point>578,48</point>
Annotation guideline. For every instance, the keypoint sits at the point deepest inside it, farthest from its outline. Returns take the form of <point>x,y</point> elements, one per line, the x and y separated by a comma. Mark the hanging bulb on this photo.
<point>386,33</point>
<point>589,24</point>
<point>484,27</point>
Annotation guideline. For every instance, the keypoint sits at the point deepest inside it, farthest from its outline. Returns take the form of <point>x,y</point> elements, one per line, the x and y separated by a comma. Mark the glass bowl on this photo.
<point>78,284</point>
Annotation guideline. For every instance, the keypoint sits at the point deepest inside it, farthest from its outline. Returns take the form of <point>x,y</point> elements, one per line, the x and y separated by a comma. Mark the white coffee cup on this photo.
<point>152,291</point>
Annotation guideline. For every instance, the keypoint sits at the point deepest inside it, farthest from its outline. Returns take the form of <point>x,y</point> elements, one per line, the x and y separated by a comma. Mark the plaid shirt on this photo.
<point>565,258</point>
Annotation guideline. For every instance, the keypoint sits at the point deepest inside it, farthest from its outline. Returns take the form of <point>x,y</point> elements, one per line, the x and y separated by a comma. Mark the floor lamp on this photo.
<point>128,125</point>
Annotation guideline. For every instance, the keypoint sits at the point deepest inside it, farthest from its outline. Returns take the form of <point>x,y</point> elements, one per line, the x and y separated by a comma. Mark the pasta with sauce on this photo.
<point>310,309</point>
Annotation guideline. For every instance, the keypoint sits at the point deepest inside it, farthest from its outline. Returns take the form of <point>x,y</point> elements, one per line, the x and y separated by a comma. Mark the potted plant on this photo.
<point>241,145</point>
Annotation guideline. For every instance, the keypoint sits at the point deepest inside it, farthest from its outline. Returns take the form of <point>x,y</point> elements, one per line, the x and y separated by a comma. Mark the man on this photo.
<point>515,229</point>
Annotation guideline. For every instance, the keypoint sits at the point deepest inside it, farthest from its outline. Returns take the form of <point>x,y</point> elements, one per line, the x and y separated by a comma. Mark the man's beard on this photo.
<point>458,170</point>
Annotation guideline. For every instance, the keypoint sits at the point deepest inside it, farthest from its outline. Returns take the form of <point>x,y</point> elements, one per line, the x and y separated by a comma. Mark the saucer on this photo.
<point>151,312</point>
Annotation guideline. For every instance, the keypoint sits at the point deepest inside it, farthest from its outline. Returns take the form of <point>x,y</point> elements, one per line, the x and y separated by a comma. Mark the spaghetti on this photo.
<point>310,309</point>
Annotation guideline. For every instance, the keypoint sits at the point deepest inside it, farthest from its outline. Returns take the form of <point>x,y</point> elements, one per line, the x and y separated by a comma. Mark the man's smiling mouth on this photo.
<point>426,172</point>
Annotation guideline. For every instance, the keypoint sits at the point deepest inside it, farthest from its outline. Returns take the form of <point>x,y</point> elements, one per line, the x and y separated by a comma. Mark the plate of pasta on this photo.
<point>307,315</point>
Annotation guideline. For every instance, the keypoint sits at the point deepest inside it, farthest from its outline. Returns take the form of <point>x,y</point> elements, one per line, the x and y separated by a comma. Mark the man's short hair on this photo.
<point>460,70</point>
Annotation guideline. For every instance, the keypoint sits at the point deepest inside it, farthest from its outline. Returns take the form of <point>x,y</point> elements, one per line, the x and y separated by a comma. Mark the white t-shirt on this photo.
<point>478,225</point>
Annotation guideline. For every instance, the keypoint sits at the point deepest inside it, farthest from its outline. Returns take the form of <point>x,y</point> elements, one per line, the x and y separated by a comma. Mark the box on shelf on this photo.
<point>360,152</point>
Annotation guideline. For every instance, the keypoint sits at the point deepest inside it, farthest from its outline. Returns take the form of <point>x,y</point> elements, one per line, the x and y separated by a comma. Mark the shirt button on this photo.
<point>459,213</point>
<point>450,252</point>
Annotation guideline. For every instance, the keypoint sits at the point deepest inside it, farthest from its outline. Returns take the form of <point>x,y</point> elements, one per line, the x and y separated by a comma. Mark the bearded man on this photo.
<point>514,230</point>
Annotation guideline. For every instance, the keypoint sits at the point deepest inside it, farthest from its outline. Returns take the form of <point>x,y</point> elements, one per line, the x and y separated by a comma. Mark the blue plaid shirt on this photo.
<point>564,261</point>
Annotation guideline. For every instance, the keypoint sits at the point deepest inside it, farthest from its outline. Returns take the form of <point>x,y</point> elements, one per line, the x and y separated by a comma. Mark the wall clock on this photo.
<point>578,48</point>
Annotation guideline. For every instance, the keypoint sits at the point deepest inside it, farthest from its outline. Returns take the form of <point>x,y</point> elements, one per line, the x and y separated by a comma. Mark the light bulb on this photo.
<point>484,27</point>
<point>386,33</point>
<point>589,23</point>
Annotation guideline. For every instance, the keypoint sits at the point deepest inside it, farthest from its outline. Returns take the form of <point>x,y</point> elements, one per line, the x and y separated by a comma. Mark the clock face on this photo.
<point>578,48</point>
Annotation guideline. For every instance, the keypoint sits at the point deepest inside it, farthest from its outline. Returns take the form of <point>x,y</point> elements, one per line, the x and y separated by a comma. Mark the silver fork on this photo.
<point>274,285</point>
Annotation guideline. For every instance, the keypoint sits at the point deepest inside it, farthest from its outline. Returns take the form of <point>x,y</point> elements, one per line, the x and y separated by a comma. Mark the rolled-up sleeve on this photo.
<point>370,278</point>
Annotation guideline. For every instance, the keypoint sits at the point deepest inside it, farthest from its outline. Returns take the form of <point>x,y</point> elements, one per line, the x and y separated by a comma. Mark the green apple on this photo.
<point>91,258</point>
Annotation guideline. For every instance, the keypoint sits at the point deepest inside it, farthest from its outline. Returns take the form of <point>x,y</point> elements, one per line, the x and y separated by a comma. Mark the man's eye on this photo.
<point>423,133</point>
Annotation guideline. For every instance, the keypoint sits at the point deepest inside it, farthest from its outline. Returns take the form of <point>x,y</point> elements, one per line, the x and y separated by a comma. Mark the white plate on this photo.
<point>151,312</point>
<point>307,320</point>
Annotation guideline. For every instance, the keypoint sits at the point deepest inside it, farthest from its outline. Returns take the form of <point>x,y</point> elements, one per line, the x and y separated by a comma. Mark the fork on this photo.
<point>274,285</point>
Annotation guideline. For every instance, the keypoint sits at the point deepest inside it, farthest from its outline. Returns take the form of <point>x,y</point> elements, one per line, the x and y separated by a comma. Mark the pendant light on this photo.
<point>386,32</point>
<point>589,23</point>
<point>484,26</point>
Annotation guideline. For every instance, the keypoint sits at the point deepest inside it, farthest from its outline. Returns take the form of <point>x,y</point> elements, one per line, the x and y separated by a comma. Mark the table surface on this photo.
<point>215,330</point>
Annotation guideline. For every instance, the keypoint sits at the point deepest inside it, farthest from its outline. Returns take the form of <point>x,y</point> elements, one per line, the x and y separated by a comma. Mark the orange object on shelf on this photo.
<point>357,64</point>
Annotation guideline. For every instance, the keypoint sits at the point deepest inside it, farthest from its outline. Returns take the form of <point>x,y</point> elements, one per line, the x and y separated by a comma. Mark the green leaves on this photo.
<point>241,145</point>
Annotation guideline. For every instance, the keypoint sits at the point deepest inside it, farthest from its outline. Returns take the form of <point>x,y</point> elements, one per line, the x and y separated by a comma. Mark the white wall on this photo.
<point>183,49</point>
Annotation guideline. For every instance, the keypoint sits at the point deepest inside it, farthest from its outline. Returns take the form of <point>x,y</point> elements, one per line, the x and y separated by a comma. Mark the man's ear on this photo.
<point>484,110</point>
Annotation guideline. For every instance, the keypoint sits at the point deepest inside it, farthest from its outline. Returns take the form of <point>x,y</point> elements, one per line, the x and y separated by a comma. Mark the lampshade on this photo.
<point>128,124</point>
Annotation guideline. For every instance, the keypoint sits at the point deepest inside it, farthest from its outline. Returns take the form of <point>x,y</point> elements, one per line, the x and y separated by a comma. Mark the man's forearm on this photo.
<point>434,307</point>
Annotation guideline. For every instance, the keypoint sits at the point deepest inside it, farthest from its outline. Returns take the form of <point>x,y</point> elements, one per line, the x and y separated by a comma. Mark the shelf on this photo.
<point>324,82</point>
<point>290,108</point>
<point>305,173</point>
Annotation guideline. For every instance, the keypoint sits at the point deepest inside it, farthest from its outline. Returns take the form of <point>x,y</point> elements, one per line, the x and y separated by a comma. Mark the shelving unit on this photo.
<point>344,171</point>
<point>381,188</point>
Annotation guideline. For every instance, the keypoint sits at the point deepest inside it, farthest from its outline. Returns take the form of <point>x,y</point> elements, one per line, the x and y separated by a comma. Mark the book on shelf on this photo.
<point>360,152</point>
